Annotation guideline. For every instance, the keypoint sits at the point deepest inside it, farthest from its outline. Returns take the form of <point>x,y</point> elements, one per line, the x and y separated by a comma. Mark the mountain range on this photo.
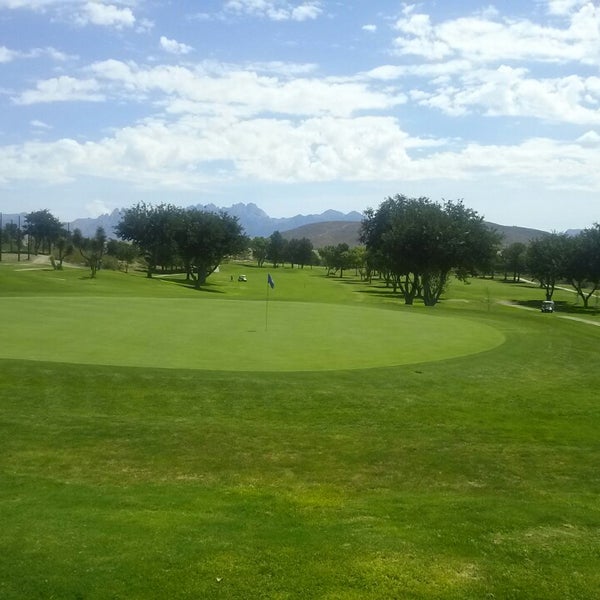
<point>327,228</point>
<point>254,220</point>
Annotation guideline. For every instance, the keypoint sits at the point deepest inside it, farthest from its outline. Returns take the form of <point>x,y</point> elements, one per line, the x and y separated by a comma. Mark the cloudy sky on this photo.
<point>302,105</point>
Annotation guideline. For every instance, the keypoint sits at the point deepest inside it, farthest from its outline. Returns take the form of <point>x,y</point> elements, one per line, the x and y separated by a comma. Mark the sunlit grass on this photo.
<point>469,477</point>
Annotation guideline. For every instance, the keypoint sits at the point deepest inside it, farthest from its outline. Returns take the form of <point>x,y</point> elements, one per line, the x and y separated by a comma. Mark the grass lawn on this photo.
<point>344,471</point>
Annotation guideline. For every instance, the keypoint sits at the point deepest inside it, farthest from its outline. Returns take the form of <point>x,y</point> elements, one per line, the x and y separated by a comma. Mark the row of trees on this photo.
<point>416,244</point>
<point>43,232</point>
<point>165,236</point>
<point>557,258</point>
<point>278,250</point>
<point>39,231</point>
<point>413,243</point>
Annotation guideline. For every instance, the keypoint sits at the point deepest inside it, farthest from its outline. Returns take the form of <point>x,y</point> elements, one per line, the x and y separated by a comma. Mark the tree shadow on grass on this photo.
<point>381,293</point>
<point>375,290</point>
<point>518,284</point>
<point>252,266</point>
<point>186,283</point>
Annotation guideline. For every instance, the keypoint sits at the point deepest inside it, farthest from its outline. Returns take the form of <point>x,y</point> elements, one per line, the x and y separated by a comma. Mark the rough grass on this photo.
<point>470,477</point>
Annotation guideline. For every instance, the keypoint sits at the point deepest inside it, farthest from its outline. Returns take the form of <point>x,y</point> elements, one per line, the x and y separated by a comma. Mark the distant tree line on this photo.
<point>414,244</point>
<point>556,258</point>
<point>164,235</point>
<point>42,232</point>
<point>276,250</point>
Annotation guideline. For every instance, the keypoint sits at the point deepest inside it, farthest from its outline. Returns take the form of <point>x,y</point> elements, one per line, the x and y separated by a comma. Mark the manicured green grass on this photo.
<point>467,477</point>
<point>231,336</point>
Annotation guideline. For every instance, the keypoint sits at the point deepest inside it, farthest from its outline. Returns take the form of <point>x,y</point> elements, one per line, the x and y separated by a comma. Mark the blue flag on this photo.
<point>270,281</point>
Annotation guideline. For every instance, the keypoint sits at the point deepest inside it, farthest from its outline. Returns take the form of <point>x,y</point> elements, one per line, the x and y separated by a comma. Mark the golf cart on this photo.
<point>547,306</point>
<point>242,278</point>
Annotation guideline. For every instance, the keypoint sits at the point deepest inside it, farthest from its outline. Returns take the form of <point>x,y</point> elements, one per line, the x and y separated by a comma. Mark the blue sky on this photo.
<point>301,106</point>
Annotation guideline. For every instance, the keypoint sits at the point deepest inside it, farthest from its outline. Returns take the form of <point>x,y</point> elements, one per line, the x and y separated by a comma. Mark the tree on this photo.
<point>547,260</point>
<point>336,258</point>
<point>10,234</point>
<point>305,252</point>
<point>358,260</point>
<point>387,237</point>
<point>91,249</point>
<point>205,239</point>
<point>299,252</point>
<point>125,252</point>
<point>276,248</point>
<point>514,259</point>
<point>63,247</point>
<point>259,246</point>
<point>582,266</point>
<point>152,229</point>
<point>43,228</point>
<point>418,243</point>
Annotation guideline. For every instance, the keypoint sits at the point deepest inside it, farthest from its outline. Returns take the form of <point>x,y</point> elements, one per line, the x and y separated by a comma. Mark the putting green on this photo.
<point>231,335</point>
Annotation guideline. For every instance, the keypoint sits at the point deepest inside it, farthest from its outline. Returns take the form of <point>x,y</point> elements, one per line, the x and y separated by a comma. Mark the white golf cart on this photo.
<point>547,306</point>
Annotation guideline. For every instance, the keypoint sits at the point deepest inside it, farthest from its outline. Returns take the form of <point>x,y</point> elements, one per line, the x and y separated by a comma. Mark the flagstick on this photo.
<point>267,309</point>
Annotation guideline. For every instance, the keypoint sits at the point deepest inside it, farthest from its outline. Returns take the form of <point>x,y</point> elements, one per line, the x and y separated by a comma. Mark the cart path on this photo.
<point>579,319</point>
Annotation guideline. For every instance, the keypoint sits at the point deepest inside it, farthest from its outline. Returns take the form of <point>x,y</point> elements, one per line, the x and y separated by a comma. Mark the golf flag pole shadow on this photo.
<point>270,286</point>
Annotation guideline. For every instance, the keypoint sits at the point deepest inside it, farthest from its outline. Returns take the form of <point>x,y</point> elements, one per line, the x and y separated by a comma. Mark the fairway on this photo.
<point>227,335</point>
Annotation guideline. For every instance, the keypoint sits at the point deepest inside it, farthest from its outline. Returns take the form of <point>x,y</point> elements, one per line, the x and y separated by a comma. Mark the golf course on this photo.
<point>320,439</point>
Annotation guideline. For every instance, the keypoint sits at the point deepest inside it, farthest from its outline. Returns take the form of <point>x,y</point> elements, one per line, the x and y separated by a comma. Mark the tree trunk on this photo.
<point>409,287</point>
<point>200,277</point>
<point>433,286</point>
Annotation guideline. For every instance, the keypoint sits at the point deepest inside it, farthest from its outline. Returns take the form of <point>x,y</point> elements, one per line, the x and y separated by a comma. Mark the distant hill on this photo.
<point>512,234</point>
<point>332,233</point>
<point>329,233</point>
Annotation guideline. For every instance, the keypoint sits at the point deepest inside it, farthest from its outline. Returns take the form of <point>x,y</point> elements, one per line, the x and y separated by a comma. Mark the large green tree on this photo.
<point>152,229</point>
<point>419,244</point>
<point>204,239</point>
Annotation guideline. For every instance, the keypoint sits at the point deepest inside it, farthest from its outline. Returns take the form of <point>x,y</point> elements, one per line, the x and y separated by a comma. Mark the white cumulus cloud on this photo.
<point>108,15</point>
<point>489,38</point>
<point>61,89</point>
<point>174,47</point>
<point>276,10</point>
